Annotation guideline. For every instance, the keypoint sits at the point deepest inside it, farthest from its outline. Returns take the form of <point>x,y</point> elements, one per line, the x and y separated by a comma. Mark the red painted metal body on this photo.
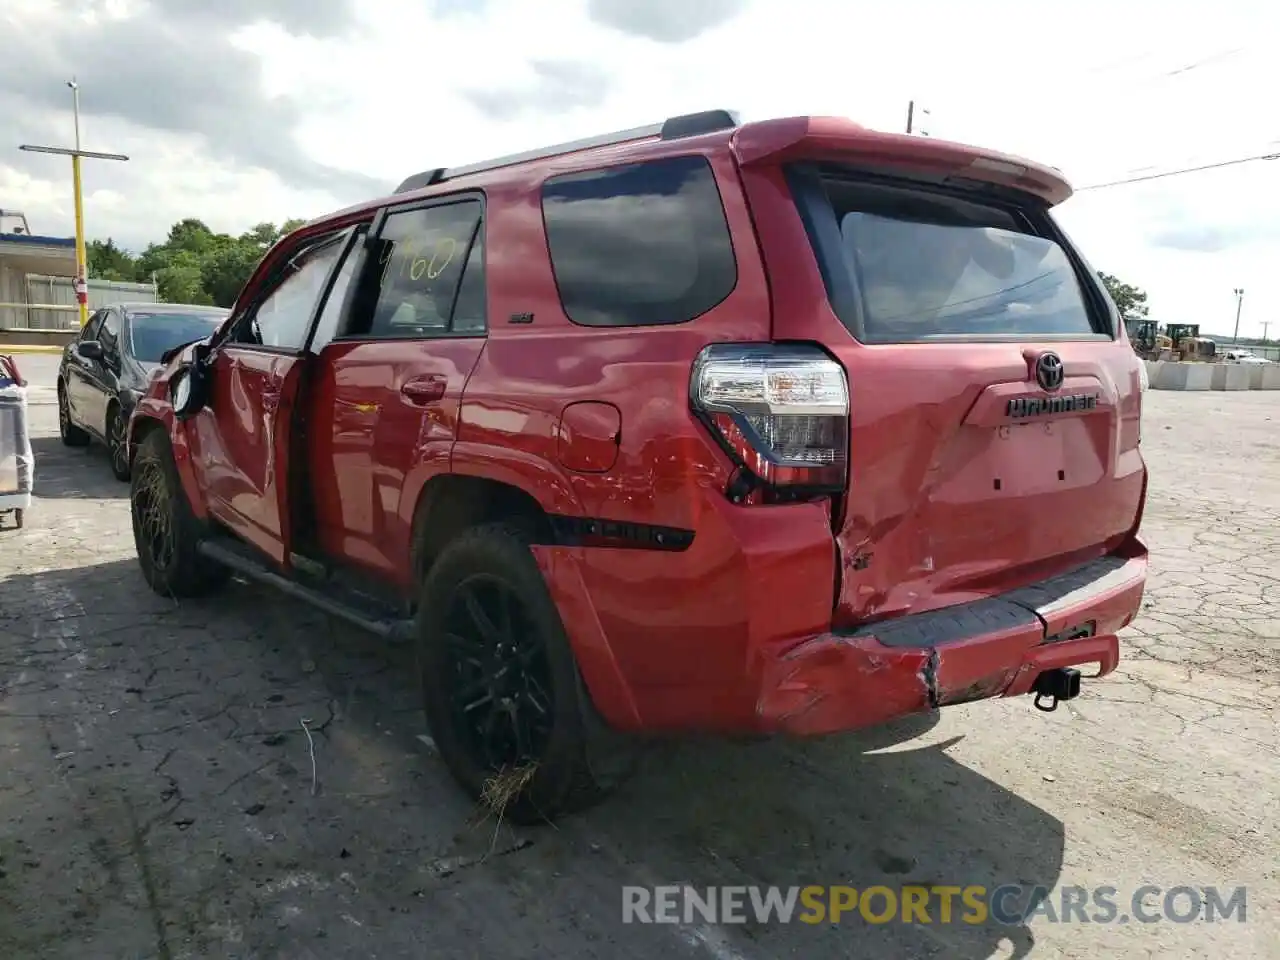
<point>747,629</point>
<point>375,444</point>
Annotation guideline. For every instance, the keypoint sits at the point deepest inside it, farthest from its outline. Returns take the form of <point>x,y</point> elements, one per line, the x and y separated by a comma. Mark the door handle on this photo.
<point>424,389</point>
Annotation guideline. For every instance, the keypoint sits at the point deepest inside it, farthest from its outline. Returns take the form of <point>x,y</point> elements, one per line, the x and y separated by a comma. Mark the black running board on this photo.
<point>353,608</point>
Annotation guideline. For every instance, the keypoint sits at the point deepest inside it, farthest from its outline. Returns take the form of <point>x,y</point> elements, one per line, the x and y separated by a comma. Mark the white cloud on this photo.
<point>1101,90</point>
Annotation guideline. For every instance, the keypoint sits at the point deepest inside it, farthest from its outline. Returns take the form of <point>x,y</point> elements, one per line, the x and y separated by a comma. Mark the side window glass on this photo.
<point>421,254</point>
<point>283,318</point>
<point>331,314</point>
<point>90,331</point>
<point>469,310</point>
<point>637,245</point>
<point>109,335</point>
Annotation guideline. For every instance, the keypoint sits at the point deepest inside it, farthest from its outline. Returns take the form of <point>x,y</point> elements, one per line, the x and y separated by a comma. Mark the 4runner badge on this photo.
<point>1021,407</point>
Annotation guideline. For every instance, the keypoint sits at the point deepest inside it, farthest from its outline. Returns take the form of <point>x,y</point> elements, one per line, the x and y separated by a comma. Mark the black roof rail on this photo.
<point>419,180</point>
<point>696,124</point>
<point>673,128</point>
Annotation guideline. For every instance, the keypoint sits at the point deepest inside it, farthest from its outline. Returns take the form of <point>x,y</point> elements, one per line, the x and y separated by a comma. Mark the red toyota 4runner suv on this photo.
<point>777,427</point>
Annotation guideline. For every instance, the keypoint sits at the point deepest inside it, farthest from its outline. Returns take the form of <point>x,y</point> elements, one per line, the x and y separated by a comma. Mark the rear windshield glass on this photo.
<point>151,334</point>
<point>927,265</point>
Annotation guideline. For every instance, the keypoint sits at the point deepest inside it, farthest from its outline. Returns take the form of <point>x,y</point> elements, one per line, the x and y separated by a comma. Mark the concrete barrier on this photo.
<point>1169,376</point>
<point>1230,376</point>
<point>1176,375</point>
<point>1199,376</point>
<point>1183,376</point>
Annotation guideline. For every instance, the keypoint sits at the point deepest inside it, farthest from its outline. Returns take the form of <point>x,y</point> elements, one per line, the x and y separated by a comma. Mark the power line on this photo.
<point>1191,162</point>
<point>1143,88</point>
<point>1141,84</point>
<point>1159,74</point>
<point>1177,173</point>
<point>1212,58</point>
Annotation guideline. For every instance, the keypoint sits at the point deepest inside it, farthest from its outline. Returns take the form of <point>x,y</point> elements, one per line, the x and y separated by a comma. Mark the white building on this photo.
<point>36,285</point>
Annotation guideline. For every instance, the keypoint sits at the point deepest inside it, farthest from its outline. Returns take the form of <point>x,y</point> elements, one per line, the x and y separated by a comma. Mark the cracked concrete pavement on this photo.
<point>243,777</point>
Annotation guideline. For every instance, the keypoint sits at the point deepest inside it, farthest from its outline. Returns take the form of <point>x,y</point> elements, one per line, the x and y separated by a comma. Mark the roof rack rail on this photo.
<point>696,124</point>
<point>673,128</point>
<point>419,180</point>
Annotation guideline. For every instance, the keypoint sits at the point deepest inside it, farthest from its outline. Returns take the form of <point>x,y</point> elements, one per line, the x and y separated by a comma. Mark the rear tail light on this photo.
<point>781,413</point>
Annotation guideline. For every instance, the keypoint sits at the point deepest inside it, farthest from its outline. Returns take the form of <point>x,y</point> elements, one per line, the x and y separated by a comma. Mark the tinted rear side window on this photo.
<point>639,245</point>
<point>928,265</point>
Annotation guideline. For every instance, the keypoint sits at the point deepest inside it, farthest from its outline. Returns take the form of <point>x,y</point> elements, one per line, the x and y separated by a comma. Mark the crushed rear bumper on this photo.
<point>993,647</point>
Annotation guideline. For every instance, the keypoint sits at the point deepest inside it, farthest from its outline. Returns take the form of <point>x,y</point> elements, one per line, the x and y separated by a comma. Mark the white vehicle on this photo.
<point>1243,356</point>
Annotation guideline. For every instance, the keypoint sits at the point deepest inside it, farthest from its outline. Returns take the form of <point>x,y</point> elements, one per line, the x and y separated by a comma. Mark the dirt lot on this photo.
<point>159,797</point>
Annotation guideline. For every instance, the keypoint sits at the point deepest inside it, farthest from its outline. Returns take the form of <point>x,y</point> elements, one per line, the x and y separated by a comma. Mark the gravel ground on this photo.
<point>245,778</point>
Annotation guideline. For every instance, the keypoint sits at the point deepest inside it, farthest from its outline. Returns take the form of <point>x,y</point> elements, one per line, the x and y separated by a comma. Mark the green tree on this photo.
<point>180,280</point>
<point>193,264</point>
<point>153,259</point>
<point>190,234</point>
<point>1131,301</point>
<point>262,236</point>
<point>227,267</point>
<point>109,262</point>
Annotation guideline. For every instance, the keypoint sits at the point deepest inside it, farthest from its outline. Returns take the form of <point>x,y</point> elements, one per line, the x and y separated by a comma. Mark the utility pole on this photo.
<point>1239,292</point>
<point>75,153</point>
<point>1265,324</point>
<point>911,113</point>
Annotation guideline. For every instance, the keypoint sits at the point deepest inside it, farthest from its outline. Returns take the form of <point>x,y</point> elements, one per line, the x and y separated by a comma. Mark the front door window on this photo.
<point>284,317</point>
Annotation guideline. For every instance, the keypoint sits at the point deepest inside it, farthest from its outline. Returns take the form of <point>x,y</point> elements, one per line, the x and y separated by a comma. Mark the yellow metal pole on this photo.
<point>82,271</point>
<point>82,260</point>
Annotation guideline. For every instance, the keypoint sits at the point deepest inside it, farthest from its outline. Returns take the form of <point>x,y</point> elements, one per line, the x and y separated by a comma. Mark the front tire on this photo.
<point>504,701</point>
<point>166,533</point>
<point>72,436</point>
<point>117,442</point>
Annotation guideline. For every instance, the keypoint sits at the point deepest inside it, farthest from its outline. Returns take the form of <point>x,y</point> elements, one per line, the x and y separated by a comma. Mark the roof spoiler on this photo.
<point>839,139</point>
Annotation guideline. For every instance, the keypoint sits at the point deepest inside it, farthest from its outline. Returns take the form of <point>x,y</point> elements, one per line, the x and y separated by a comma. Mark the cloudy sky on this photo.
<point>239,111</point>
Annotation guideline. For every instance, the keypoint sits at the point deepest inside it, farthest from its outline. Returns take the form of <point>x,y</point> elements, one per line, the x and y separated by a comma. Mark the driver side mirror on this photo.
<point>90,349</point>
<point>189,384</point>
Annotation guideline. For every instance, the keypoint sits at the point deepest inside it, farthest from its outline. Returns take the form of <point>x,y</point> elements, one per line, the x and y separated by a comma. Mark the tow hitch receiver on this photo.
<point>1053,686</point>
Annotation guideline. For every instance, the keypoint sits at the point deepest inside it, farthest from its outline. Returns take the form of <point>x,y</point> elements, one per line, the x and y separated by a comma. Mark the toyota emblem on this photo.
<point>1049,371</point>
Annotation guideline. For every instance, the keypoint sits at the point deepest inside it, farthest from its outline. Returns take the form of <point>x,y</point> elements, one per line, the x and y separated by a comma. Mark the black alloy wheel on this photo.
<point>500,690</point>
<point>154,529</point>
<point>504,701</point>
<point>72,436</point>
<point>166,533</point>
<point>117,443</point>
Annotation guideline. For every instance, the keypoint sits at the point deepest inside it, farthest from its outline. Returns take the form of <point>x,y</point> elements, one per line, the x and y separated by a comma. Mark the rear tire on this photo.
<point>165,531</point>
<point>517,671</point>
<point>72,436</point>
